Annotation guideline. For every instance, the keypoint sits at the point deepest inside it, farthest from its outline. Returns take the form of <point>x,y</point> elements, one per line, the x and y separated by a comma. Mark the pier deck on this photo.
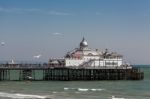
<point>38,72</point>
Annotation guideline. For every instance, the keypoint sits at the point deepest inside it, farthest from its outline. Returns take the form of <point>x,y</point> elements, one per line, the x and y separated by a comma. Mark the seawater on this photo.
<point>77,89</point>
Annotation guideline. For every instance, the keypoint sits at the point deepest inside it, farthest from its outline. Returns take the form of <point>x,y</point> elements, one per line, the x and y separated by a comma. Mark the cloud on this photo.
<point>12,10</point>
<point>56,33</point>
<point>58,13</point>
<point>32,11</point>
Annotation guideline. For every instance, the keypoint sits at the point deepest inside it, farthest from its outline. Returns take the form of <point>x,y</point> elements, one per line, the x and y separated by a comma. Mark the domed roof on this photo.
<point>83,43</point>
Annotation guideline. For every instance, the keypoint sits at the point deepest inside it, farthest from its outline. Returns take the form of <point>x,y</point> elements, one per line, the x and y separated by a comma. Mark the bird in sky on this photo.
<point>12,62</point>
<point>37,56</point>
<point>2,43</point>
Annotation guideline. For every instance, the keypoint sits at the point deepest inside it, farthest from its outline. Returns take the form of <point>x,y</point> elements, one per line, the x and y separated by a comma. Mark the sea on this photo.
<point>117,89</point>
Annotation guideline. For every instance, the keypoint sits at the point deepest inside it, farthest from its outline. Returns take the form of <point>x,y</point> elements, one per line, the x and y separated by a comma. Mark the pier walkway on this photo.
<point>45,72</point>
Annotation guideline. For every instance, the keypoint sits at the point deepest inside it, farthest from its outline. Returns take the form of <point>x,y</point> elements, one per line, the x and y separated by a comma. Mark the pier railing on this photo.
<point>16,66</point>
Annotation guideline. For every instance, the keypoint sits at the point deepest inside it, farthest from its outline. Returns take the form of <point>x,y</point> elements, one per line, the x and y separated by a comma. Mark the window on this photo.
<point>90,54</point>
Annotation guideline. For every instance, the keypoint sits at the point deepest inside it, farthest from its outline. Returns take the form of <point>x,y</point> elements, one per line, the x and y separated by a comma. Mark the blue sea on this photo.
<point>120,89</point>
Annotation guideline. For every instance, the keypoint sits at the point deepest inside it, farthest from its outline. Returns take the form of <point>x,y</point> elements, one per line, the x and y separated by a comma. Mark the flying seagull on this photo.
<point>2,43</point>
<point>38,56</point>
<point>56,33</point>
<point>29,77</point>
<point>12,62</point>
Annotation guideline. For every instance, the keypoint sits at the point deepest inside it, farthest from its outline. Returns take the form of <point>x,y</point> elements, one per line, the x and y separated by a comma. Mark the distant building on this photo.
<point>85,57</point>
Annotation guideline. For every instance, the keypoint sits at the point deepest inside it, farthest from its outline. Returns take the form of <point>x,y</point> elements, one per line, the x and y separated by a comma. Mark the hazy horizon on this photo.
<point>51,28</point>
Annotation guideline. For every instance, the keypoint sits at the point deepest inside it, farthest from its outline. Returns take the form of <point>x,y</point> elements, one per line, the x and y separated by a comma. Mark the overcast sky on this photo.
<point>53,27</point>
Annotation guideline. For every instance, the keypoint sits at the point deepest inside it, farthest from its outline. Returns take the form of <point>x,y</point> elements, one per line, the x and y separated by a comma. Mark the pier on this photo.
<point>45,72</point>
<point>81,63</point>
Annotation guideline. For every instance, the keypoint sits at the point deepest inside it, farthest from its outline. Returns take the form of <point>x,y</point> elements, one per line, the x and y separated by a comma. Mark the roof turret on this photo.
<point>83,43</point>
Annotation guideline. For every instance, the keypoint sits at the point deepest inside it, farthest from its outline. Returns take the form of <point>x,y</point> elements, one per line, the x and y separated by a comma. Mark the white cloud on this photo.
<point>56,33</point>
<point>33,11</point>
<point>58,13</point>
<point>12,10</point>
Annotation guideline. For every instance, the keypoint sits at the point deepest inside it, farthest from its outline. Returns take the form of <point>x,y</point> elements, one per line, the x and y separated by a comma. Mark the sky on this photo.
<point>51,28</point>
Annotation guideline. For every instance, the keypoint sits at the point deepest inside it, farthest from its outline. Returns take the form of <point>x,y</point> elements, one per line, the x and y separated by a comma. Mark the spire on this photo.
<point>83,38</point>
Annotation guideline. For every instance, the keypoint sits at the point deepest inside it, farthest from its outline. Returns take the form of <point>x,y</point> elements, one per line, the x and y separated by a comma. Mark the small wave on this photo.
<point>83,89</point>
<point>66,88</point>
<point>22,96</point>
<point>97,89</point>
<point>54,92</point>
<point>113,97</point>
<point>69,88</point>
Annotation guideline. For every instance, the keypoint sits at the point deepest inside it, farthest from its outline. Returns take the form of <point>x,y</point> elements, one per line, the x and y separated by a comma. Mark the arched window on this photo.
<point>90,54</point>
